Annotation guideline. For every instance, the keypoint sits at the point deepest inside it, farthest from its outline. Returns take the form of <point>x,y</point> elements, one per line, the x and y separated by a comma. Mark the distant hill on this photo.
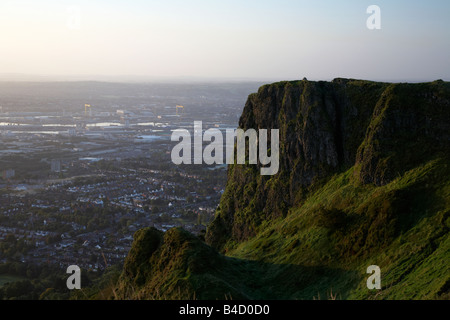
<point>364,180</point>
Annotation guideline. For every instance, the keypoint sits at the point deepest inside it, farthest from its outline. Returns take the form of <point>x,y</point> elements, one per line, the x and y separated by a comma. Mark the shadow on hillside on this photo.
<point>267,281</point>
<point>178,265</point>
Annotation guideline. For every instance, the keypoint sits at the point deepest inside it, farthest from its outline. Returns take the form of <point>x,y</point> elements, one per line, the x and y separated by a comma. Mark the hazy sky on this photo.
<point>252,39</point>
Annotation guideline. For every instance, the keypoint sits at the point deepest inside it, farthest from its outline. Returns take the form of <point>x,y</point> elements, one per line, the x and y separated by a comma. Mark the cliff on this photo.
<point>326,128</point>
<point>363,179</point>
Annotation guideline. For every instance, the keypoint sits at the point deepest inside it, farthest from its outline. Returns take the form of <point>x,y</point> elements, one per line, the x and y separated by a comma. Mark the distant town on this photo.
<point>80,175</point>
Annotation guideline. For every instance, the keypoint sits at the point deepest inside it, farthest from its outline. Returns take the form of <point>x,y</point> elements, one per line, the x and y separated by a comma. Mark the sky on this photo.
<point>233,39</point>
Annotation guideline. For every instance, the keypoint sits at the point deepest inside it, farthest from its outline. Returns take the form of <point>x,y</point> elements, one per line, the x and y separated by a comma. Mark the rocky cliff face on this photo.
<point>325,128</point>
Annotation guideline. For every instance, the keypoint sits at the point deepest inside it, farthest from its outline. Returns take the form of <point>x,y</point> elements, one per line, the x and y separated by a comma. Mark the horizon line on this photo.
<point>25,77</point>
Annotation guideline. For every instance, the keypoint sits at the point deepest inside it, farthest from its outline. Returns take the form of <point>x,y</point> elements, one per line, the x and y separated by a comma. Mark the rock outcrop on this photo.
<point>325,128</point>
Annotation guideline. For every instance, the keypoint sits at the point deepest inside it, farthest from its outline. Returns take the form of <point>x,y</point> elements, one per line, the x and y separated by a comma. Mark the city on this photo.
<point>80,176</point>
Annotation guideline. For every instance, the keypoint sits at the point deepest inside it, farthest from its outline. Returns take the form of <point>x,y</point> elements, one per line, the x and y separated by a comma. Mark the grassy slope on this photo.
<point>319,251</point>
<point>305,256</point>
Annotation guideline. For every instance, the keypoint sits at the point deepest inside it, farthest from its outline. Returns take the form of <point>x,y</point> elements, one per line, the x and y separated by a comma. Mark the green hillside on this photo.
<point>319,251</point>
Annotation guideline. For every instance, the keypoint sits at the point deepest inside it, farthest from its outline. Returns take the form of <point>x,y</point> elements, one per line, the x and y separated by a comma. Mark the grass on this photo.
<point>413,260</point>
